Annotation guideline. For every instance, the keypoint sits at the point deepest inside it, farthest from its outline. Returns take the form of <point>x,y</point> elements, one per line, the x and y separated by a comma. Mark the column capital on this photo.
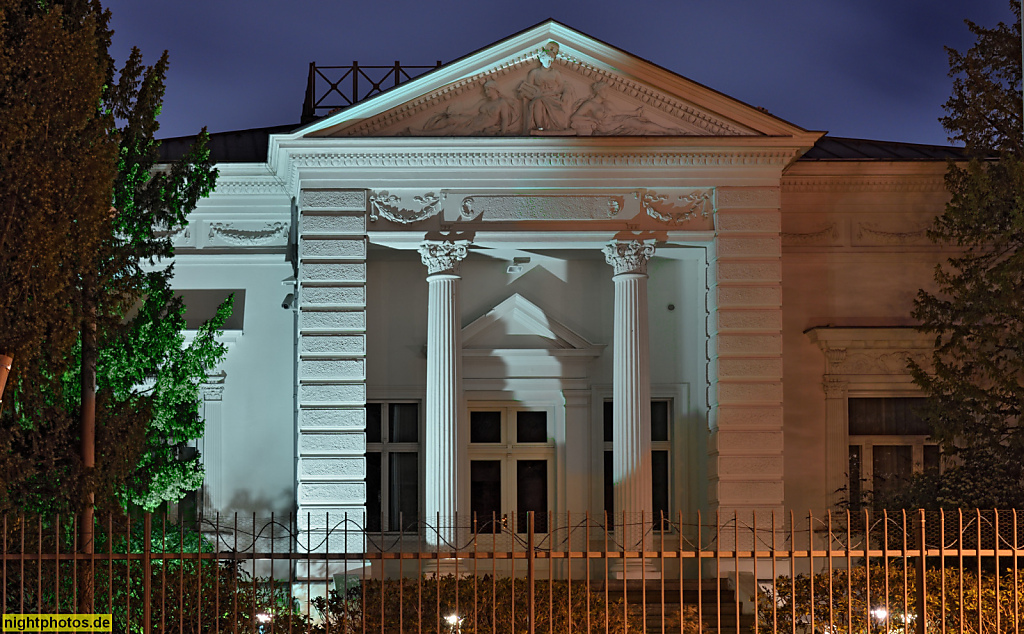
<point>835,388</point>
<point>629,256</point>
<point>443,256</point>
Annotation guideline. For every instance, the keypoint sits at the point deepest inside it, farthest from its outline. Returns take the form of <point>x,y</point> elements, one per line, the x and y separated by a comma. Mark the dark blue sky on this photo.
<point>860,68</point>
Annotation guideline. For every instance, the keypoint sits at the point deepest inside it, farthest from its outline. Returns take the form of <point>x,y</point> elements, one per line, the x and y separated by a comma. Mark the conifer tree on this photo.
<point>976,383</point>
<point>85,223</point>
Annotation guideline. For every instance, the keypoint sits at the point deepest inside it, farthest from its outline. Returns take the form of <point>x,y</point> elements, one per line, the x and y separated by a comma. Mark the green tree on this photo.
<point>976,385</point>
<point>86,223</point>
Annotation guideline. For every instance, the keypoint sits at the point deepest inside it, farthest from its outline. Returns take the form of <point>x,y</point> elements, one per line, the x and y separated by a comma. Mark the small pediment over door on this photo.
<point>550,80</point>
<point>517,338</point>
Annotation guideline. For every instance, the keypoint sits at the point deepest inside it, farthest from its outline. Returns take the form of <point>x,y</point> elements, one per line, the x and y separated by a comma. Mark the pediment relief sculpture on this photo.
<point>545,93</point>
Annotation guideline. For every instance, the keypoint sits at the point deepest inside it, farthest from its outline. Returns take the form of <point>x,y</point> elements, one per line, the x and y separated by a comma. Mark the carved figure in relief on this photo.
<point>495,114</point>
<point>595,116</point>
<point>548,99</point>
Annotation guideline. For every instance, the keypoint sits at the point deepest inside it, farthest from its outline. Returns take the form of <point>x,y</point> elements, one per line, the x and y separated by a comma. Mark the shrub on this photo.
<point>882,600</point>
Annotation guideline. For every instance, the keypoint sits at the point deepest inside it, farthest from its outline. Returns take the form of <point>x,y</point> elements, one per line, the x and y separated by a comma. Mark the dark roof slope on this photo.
<point>236,146</point>
<point>250,146</point>
<point>834,148</point>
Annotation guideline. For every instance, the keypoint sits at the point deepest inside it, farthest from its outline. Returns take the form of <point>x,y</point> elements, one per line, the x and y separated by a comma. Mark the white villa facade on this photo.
<point>551,276</point>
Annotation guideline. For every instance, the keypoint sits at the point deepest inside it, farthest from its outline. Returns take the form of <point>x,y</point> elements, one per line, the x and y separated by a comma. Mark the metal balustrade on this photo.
<point>740,572</point>
<point>330,88</point>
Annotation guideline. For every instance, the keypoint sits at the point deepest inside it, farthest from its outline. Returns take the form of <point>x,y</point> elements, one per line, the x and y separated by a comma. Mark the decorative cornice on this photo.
<point>871,351</point>
<point>864,184</point>
<point>388,206</point>
<point>525,158</point>
<point>443,256</point>
<point>630,256</point>
<point>251,187</point>
<point>697,203</point>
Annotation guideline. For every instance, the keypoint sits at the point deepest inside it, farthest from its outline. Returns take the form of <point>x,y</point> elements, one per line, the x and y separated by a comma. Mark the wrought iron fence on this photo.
<point>330,88</point>
<point>752,572</point>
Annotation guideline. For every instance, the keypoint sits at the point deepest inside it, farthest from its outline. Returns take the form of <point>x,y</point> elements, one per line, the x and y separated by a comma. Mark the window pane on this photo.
<point>532,494</point>
<point>886,416</point>
<point>485,494</point>
<point>373,491</point>
<point>403,485</point>
<point>531,426</point>
<point>659,484</point>
<point>609,487</point>
<point>373,422</point>
<point>891,465</point>
<point>403,422</point>
<point>485,427</point>
<point>659,421</point>
<point>608,421</point>
<point>855,478</point>
<point>931,457</point>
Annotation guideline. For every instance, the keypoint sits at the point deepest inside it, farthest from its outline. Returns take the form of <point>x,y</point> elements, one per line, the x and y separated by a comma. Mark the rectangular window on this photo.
<point>888,443</point>
<point>661,462</point>
<point>392,466</point>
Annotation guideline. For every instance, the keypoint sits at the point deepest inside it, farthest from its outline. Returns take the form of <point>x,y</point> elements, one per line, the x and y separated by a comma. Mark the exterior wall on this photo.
<point>237,240</point>
<point>854,255</point>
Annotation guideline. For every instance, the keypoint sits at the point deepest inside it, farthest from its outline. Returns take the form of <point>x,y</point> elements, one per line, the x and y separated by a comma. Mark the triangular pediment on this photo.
<point>550,80</point>
<point>519,324</point>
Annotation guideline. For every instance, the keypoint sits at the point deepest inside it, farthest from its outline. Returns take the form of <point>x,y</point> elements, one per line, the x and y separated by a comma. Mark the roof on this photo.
<point>834,148</point>
<point>235,146</point>
<point>250,146</point>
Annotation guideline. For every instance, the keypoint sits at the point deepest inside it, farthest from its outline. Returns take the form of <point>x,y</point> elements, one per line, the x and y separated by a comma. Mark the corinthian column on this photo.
<point>444,386</point>
<point>631,410</point>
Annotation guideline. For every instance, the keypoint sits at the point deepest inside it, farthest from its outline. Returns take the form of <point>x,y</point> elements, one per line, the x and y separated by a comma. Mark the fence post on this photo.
<point>147,571</point>
<point>920,591</point>
<point>529,568</point>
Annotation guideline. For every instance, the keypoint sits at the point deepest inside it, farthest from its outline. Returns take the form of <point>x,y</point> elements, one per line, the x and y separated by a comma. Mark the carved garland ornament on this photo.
<point>690,205</point>
<point>388,206</point>
<point>238,237</point>
<point>629,256</point>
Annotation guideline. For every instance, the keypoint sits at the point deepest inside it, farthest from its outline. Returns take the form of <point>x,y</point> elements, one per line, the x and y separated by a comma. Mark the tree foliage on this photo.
<point>976,384</point>
<point>86,220</point>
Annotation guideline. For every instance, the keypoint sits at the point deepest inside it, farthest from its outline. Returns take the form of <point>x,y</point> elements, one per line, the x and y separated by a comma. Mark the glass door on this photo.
<point>511,463</point>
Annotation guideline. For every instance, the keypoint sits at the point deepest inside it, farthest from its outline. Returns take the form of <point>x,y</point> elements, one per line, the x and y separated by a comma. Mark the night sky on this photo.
<point>872,69</point>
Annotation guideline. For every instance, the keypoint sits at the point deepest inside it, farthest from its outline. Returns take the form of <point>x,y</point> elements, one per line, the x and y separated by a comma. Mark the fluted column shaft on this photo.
<point>631,409</point>
<point>444,388</point>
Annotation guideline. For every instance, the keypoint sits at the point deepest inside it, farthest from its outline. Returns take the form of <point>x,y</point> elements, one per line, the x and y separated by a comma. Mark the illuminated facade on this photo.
<point>553,276</point>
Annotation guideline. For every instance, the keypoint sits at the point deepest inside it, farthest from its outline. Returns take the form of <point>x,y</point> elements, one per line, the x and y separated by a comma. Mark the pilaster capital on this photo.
<point>443,256</point>
<point>834,388</point>
<point>629,256</point>
<point>213,388</point>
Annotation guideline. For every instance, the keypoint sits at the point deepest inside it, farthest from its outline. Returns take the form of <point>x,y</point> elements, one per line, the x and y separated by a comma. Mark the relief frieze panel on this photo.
<point>681,208</point>
<point>384,204</point>
<point>545,92</point>
<point>690,209</point>
<point>247,234</point>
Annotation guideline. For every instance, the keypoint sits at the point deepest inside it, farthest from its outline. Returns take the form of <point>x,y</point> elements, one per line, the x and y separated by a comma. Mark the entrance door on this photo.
<point>511,467</point>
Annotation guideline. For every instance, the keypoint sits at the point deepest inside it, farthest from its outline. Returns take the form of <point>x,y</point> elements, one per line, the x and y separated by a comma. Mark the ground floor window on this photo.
<point>661,459</point>
<point>392,466</point>
<point>888,443</point>
<point>511,462</point>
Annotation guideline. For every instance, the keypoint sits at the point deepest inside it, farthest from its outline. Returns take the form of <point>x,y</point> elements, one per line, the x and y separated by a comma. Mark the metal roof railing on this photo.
<point>330,88</point>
